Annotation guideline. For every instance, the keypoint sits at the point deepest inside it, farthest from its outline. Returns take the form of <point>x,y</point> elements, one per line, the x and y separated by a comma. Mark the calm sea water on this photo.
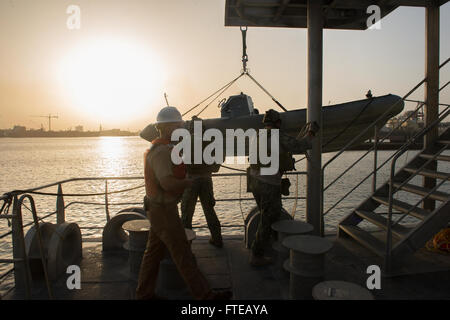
<point>32,162</point>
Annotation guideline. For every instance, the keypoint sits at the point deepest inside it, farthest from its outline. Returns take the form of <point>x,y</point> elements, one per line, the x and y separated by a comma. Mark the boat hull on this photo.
<point>353,116</point>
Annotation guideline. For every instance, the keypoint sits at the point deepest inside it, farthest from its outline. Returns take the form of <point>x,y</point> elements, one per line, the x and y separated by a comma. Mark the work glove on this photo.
<point>312,127</point>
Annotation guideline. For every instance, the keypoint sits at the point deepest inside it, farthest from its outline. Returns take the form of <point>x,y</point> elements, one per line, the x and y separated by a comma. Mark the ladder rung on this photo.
<point>436,195</point>
<point>429,173</point>
<point>398,230</point>
<point>365,238</point>
<point>443,141</point>
<point>404,207</point>
<point>431,156</point>
<point>7,216</point>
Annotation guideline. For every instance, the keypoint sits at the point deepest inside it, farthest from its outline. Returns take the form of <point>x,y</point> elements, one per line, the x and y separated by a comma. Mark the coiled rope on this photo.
<point>440,242</point>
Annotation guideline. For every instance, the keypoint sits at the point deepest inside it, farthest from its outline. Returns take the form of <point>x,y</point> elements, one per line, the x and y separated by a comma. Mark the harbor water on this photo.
<point>32,162</point>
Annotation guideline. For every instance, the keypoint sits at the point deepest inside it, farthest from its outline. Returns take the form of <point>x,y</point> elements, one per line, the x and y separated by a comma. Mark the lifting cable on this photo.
<point>267,92</point>
<point>220,93</point>
<point>244,49</point>
<point>198,104</point>
<point>245,72</point>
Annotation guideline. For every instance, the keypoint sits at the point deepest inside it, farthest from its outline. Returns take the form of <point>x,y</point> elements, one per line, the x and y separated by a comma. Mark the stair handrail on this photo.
<point>362,157</point>
<point>397,154</point>
<point>423,102</point>
<point>379,140</point>
<point>419,169</point>
<point>379,118</point>
<point>426,196</point>
<point>374,123</point>
<point>418,135</point>
<point>399,124</point>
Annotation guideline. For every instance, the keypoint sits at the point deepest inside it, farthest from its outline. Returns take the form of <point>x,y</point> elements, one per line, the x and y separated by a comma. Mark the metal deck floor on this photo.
<point>106,275</point>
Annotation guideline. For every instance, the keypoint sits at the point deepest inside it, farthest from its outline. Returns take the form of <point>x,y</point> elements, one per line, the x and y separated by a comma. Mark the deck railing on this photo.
<point>15,200</point>
<point>373,149</point>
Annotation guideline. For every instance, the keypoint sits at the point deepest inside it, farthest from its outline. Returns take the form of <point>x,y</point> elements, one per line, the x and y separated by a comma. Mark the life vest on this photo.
<point>200,168</point>
<point>152,187</point>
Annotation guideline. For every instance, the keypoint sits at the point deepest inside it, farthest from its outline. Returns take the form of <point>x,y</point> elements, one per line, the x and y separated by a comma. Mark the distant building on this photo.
<point>79,129</point>
<point>19,130</point>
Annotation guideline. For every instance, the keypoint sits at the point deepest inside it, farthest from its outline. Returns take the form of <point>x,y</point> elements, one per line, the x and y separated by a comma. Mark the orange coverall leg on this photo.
<point>167,231</point>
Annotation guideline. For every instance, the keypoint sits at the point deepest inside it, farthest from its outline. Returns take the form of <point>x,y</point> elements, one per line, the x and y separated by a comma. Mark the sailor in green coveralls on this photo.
<point>267,189</point>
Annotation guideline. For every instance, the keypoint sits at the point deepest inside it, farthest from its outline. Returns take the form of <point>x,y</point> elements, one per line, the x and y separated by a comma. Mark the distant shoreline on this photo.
<point>70,134</point>
<point>360,147</point>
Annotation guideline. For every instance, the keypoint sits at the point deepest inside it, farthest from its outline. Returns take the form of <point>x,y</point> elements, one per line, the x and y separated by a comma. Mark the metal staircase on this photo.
<point>398,240</point>
<point>371,223</point>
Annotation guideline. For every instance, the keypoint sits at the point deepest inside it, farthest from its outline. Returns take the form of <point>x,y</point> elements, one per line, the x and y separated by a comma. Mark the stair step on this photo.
<point>440,157</point>
<point>398,230</point>
<point>427,229</point>
<point>443,141</point>
<point>403,207</point>
<point>365,238</point>
<point>429,173</point>
<point>436,195</point>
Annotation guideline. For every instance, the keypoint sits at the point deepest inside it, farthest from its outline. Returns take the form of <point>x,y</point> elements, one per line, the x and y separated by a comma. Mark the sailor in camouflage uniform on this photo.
<point>267,189</point>
<point>202,187</point>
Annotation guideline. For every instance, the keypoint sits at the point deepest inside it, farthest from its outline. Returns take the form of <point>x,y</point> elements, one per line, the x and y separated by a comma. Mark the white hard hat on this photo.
<point>168,114</point>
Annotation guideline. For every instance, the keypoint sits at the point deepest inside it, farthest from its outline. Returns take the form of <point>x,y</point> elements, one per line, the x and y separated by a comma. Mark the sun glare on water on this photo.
<point>112,80</point>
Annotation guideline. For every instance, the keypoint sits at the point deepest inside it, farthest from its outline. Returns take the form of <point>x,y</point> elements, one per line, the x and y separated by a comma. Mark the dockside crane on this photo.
<point>49,117</point>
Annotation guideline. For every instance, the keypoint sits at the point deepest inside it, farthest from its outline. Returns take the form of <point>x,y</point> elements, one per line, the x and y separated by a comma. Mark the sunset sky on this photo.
<point>116,68</point>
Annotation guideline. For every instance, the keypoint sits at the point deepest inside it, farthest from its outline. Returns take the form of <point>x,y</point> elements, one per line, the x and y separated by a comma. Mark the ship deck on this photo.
<point>105,275</point>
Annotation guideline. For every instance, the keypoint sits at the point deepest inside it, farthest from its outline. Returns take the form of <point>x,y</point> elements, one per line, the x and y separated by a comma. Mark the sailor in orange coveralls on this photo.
<point>164,186</point>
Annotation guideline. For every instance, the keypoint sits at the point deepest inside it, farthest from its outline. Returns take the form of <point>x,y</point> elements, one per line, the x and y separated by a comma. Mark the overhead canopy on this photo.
<point>338,14</point>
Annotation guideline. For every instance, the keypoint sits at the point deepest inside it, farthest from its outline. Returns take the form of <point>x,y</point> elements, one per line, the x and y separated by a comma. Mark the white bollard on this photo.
<point>305,264</point>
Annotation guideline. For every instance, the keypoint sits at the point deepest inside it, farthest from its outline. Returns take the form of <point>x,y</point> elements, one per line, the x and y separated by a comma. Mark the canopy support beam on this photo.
<point>431,86</point>
<point>314,113</point>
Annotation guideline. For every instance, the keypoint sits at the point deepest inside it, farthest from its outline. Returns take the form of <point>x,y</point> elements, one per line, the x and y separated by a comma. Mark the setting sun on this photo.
<point>111,79</point>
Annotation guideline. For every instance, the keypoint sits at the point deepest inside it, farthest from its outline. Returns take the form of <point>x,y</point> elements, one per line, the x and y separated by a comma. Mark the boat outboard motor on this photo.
<point>237,106</point>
